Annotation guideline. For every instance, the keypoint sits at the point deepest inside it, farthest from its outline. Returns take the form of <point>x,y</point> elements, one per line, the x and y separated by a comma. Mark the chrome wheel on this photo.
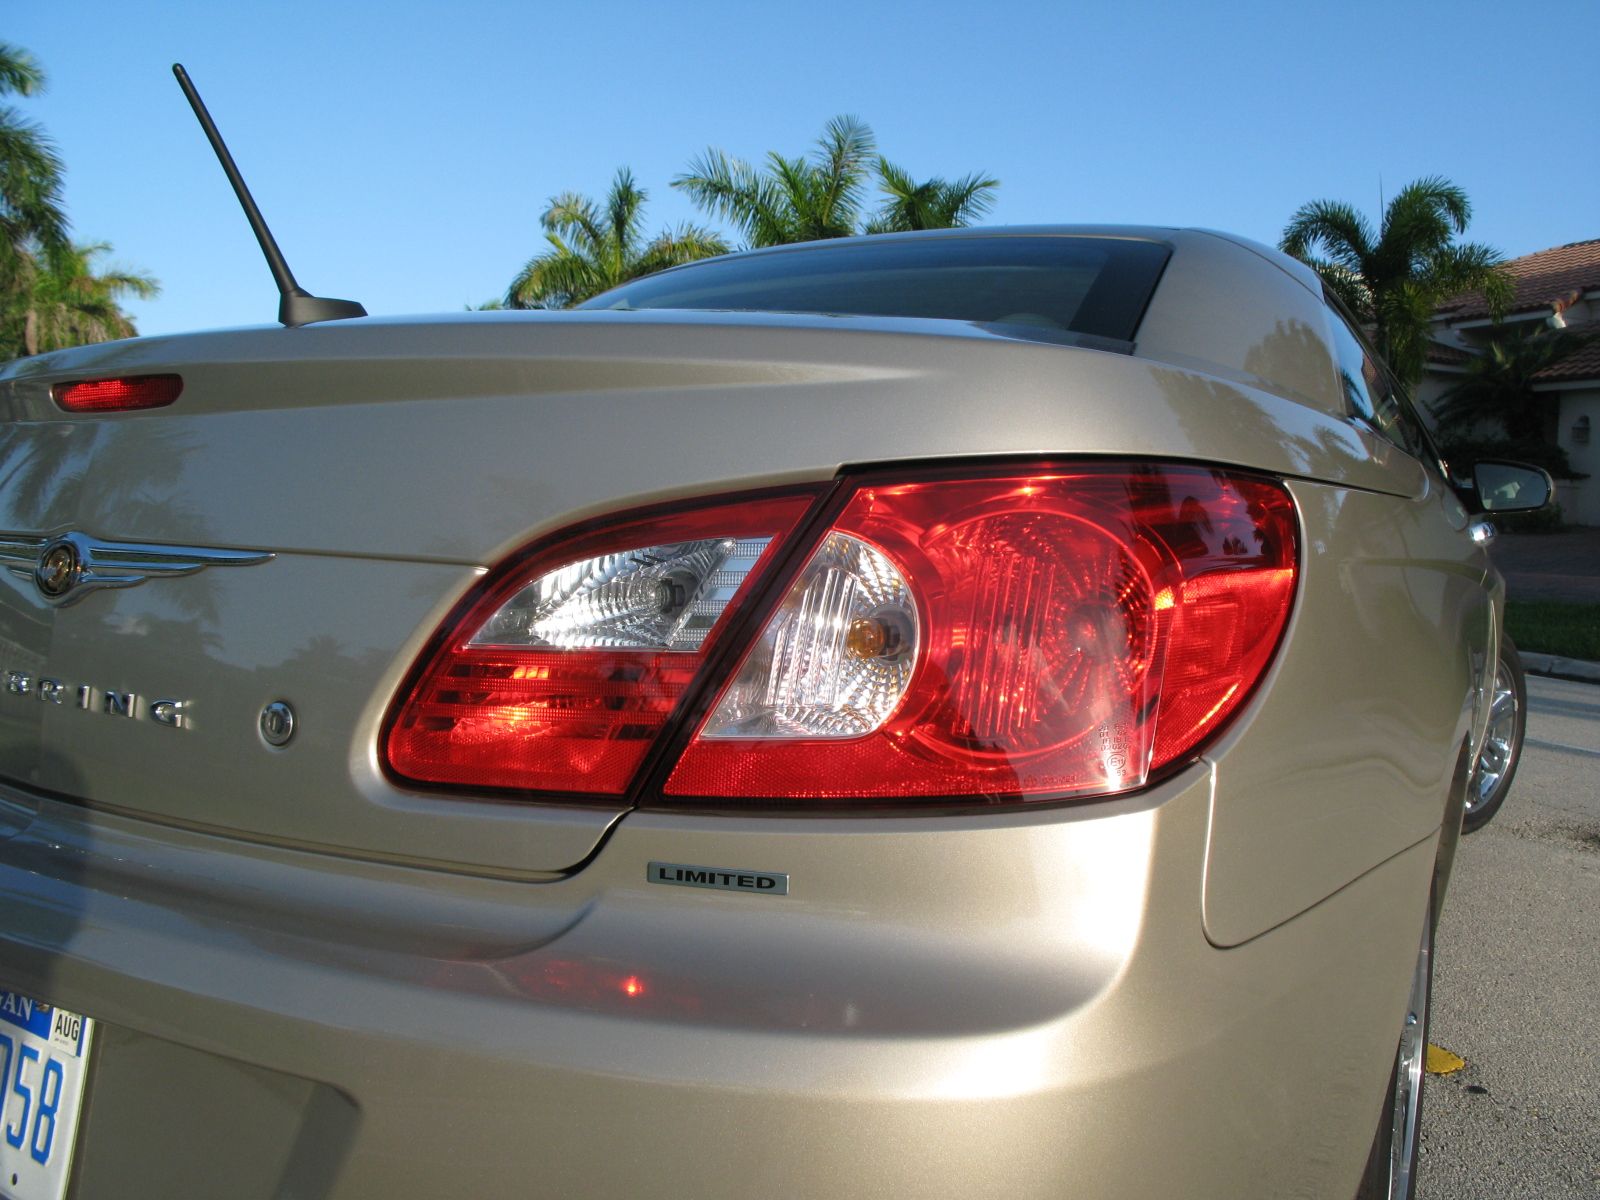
<point>1499,743</point>
<point>1496,763</point>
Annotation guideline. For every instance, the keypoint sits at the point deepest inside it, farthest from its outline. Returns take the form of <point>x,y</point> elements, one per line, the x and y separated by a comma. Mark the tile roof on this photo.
<point>1447,356</point>
<point>1541,279</point>
<point>1584,363</point>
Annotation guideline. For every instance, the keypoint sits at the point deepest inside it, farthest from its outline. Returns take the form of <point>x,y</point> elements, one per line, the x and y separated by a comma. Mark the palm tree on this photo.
<point>50,293</point>
<point>66,302</point>
<point>1498,384</point>
<point>1394,278</point>
<point>792,199</point>
<point>31,217</point>
<point>595,247</point>
<point>823,196</point>
<point>932,204</point>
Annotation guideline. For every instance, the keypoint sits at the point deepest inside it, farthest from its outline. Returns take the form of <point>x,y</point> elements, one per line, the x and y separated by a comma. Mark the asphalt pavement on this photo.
<point>1517,978</point>
<point>1550,566</point>
<point>1561,566</point>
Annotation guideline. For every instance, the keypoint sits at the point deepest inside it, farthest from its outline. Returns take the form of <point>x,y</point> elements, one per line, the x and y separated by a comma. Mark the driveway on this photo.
<point>1550,566</point>
<point>1517,985</point>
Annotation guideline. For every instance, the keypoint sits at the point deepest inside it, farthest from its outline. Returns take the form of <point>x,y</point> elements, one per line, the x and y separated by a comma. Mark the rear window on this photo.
<point>1070,285</point>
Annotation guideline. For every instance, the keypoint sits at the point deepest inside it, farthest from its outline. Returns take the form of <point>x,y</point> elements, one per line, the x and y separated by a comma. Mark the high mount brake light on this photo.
<point>563,673</point>
<point>1008,636</point>
<point>125,394</point>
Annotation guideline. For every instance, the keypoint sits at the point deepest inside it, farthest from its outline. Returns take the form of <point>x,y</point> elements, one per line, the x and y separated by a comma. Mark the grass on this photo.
<point>1555,627</point>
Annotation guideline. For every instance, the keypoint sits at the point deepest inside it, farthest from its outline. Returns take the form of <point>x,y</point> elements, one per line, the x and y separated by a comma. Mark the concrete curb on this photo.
<point>1560,668</point>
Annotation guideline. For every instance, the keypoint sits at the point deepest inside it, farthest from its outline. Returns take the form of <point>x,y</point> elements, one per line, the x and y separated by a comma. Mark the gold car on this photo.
<point>971,714</point>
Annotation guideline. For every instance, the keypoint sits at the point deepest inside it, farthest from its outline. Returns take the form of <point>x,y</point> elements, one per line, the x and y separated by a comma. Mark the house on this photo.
<point>1559,287</point>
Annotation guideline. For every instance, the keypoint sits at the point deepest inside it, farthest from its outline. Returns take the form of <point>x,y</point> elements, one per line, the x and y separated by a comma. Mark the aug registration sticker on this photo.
<point>44,1055</point>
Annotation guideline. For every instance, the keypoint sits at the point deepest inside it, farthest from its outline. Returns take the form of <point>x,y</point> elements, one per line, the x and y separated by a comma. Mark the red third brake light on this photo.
<point>1074,631</point>
<point>125,394</point>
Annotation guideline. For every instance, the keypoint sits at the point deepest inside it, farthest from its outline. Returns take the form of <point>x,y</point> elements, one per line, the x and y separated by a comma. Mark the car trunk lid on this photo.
<point>369,472</point>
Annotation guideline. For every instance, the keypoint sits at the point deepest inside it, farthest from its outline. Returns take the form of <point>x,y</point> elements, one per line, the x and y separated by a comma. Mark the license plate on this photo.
<point>44,1056</point>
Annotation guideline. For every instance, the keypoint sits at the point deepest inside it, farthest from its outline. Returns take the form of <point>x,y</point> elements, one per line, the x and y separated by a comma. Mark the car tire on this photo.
<point>1391,1172</point>
<point>1496,764</point>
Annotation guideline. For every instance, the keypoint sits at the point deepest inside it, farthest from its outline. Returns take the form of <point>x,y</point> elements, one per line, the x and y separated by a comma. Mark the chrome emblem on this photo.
<point>58,569</point>
<point>70,566</point>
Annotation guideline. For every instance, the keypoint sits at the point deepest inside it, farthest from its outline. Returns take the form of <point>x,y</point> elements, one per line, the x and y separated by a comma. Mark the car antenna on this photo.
<point>296,306</point>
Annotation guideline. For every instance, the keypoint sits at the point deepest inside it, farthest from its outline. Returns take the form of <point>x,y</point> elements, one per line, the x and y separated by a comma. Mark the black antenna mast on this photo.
<point>296,306</point>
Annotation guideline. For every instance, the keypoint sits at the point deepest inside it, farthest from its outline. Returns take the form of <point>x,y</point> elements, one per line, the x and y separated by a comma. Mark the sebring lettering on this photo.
<point>771,883</point>
<point>171,713</point>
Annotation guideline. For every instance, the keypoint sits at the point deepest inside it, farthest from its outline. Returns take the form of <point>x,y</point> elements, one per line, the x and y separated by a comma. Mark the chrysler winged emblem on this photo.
<point>69,566</point>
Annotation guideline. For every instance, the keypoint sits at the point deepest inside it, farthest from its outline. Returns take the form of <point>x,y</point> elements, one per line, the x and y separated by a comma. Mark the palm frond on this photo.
<point>813,206</point>
<point>934,203</point>
<point>844,153</point>
<point>823,194</point>
<point>113,281</point>
<point>30,185</point>
<point>908,202</point>
<point>559,278</point>
<point>594,247</point>
<point>573,214</point>
<point>845,149</point>
<point>1343,235</point>
<point>732,189</point>
<point>1403,314</point>
<point>68,302</point>
<point>20,72</point>
<point>1433,194</point>
<point>624,205</point>
<point>1472,267</point>
<point>896,181</point>
<point>969,198</point>
<point>674,247</point>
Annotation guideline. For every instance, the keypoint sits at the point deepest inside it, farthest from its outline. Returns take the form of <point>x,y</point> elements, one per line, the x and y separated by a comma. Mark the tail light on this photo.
<point>1040,634</point>
<point>562,674</point>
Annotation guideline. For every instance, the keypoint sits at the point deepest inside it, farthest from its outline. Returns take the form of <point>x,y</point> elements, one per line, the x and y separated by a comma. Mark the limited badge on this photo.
<point>724,879</point>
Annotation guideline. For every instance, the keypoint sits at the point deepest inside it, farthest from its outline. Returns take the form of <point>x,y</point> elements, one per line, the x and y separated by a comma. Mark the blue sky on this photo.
<point>403,150</point>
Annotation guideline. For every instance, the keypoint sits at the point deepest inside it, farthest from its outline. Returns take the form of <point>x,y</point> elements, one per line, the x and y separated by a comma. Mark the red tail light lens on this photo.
<point>118,395</point>
<point>1022,635</point>
<point>564,673</point>
<point>1077,630</point>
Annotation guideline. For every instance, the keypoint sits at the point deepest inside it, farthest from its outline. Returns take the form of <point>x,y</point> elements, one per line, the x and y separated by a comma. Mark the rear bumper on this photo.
<point>1021,1005</point>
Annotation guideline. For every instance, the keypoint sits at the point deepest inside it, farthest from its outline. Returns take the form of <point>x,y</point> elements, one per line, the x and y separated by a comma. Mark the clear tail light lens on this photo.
<point>650,598</point>
<point>566,670</point>
<point>835,659</point>
<point>1025,634</point>
<point>1076,631</point>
